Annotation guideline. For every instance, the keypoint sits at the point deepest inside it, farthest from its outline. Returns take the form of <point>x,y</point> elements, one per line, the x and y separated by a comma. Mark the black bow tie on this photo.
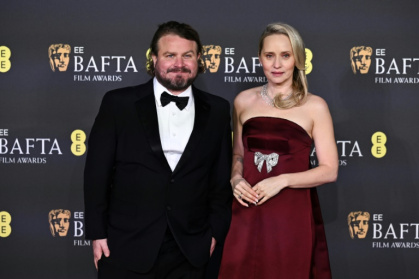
<point>166,98</point>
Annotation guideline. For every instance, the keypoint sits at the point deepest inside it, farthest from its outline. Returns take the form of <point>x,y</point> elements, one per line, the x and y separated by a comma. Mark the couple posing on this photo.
<point>160,179</point>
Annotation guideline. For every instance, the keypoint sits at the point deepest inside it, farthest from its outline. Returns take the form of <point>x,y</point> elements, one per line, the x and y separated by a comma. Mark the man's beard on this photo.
<point>178,83</point>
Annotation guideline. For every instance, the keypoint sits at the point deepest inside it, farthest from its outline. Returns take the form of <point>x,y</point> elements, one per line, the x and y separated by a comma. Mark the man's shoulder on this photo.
<point>212,98</point>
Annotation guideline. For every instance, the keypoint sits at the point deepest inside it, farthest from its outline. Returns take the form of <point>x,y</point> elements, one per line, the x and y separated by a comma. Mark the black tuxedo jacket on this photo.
<point>132,195</point>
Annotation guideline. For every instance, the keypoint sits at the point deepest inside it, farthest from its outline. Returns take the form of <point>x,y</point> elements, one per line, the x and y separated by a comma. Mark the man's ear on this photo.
<point>154,57</point>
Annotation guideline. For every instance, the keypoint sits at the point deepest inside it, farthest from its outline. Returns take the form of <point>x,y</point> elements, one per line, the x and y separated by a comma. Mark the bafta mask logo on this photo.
<point>59,57</point>
<point>361,59</point>
<point>358,224</point>
<point>212,57</point>
<point>59,222</point>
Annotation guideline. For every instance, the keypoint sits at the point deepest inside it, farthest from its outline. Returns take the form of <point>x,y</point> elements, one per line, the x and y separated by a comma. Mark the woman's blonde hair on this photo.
<point>299,79</point>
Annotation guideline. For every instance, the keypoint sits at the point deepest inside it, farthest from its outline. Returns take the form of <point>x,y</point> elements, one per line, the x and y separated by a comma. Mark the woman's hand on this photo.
<point>269,187</point>
<point>243,192</point>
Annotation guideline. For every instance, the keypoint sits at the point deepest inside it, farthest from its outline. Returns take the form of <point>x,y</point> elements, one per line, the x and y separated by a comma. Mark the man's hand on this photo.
<point>100,246</point>
<point>213,242</point>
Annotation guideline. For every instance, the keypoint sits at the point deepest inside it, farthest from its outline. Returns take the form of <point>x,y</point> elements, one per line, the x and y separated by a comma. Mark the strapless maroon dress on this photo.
<point>283,238</point>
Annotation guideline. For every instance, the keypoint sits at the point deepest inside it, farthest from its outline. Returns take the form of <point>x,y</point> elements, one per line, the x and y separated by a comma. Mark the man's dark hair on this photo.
<point>182,30</point>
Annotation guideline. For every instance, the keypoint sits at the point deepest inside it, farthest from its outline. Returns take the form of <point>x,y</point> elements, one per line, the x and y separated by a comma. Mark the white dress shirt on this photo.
<point>175,125</point>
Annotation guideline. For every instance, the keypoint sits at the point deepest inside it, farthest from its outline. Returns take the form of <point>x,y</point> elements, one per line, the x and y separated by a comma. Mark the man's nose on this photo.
<point>178,61</point>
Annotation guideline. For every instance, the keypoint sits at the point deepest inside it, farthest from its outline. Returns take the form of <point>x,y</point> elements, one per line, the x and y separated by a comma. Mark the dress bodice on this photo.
<point>270,135</point>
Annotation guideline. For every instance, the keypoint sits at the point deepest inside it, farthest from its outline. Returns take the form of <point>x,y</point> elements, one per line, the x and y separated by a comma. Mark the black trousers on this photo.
<point>170,264</point>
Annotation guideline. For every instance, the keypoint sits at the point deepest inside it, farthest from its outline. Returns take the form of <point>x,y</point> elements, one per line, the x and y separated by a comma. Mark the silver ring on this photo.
<point>240,196</point>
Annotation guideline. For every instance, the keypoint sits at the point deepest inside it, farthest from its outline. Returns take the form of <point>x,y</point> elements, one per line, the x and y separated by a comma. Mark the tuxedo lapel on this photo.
<point>147,113</point>
<point>202,109</point>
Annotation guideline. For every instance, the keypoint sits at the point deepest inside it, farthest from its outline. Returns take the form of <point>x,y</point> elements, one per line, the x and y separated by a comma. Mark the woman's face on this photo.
<point>277,59</point>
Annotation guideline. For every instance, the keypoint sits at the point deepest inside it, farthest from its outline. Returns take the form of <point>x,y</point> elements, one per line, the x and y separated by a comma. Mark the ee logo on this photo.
<point>309,57</point>
<point>5,54</point>
<point>5,220</point>
<point>379,149</point>
<point>78,137</point>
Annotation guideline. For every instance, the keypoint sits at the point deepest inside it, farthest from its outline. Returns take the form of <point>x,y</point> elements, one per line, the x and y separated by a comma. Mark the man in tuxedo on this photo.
<point>156,186</point>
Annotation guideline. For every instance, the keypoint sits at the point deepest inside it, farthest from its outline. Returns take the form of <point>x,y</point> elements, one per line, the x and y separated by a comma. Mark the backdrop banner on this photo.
<point>58,59</point>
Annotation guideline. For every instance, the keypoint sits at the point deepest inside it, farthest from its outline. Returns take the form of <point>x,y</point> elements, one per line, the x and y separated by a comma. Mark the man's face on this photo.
<point>61,224</point>
<point>363,61</point>
<point>61,59</point>
<point>212,60</point>
<point>176,64</point>
<point>360,226</point>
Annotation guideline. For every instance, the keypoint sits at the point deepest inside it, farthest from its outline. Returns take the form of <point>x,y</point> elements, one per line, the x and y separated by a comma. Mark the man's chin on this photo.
<point>177,87</point>
<point>177,84</point>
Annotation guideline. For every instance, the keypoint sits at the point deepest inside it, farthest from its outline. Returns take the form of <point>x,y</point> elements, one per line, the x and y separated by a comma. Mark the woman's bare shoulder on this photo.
<point>247,97</point>
<point>315,102</point>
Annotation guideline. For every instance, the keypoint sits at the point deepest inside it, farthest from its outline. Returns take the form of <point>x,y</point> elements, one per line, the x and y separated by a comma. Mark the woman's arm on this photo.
<point>242,190</point>
<point>326,150</point>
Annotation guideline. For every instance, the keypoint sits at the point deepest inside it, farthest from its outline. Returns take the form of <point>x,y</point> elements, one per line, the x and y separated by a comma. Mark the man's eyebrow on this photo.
<point>189,51</point>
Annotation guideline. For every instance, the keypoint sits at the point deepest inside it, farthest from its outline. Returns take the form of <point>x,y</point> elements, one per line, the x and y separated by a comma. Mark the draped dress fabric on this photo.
<point>283,238</point>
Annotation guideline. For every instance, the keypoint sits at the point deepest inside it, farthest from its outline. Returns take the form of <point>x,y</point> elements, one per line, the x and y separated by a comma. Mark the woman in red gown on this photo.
<point>277,229</point>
